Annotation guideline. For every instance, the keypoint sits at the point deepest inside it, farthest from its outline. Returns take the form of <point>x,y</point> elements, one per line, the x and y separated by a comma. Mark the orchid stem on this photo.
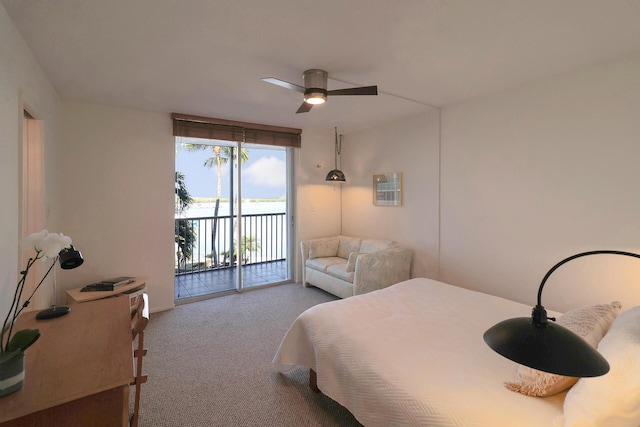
<point>15,304</point>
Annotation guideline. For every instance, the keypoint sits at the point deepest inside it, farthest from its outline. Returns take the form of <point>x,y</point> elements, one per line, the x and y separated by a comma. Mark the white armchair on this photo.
<point>347,266</point>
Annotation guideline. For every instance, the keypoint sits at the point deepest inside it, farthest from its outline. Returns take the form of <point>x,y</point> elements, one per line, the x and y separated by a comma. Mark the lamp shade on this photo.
<point>335,175</point>
<point>70,258</point>
<point>537,343</point>
<point>547,347</point>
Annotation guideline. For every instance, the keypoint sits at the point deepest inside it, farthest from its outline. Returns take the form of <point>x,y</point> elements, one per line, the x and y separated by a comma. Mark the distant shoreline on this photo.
<point>244,200</point>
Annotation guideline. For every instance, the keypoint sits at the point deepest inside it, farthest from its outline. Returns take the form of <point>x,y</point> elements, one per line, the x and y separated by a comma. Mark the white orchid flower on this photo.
<point>47,245</point>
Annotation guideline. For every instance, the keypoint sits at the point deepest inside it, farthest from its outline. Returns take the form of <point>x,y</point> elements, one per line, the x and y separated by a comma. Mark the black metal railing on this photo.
<point>208,243</point>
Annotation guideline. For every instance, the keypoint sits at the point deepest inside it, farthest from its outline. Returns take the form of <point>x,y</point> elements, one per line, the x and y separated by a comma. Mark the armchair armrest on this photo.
<point>380,269</point>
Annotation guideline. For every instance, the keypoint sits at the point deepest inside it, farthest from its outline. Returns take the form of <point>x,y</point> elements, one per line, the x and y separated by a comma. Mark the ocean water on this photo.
<point>269,232</point>
<point>198,210</point>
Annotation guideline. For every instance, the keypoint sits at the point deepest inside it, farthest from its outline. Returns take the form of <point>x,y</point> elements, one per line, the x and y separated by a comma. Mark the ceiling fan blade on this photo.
<point>304,108</point>
<point>364,90</point>
<point>283,84</point>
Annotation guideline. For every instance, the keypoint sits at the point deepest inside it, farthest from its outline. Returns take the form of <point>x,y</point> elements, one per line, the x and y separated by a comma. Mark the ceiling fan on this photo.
<point>315,89</point>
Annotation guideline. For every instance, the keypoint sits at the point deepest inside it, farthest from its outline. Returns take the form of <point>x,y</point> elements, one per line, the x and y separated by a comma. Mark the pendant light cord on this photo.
<point>336,151</point>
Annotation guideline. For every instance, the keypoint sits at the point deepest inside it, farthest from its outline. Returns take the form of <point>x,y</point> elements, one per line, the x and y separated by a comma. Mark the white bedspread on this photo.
<point>413,354</point>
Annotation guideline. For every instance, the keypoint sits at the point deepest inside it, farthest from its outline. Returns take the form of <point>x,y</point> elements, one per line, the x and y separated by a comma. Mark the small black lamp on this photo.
<point>68,258</point>
<point>336,175</point>
<point>537,343</point>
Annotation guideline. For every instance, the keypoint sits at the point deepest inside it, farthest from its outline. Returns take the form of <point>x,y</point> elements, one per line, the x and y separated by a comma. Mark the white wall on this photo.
<point>409,146</point>
<point>118,195</point>
<point>317,201</point>
<point>22,85</point>
<point>540,173</point>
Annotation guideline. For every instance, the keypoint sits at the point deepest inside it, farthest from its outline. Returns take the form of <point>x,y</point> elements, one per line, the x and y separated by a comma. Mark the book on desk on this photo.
<point>108,285</point>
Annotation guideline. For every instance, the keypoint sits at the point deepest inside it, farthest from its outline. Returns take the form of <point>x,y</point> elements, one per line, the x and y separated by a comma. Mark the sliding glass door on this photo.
<point>263,228</point>
<point>233,225</point>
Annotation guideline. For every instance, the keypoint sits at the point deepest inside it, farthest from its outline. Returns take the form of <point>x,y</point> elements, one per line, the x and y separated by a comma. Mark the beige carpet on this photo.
<point>209,364</point>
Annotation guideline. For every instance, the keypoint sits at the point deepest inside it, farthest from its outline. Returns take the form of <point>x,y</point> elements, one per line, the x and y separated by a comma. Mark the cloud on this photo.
<point>266,171</point>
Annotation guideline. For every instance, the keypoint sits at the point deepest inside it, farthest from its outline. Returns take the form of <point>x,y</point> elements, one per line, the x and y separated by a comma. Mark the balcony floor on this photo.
<point>213,281</point>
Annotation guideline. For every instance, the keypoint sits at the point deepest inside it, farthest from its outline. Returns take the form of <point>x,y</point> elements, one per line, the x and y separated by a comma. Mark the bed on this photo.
<point>413,354</point>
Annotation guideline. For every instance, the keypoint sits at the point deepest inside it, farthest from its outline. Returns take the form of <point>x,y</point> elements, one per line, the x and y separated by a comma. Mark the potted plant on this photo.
<point>14,343</point>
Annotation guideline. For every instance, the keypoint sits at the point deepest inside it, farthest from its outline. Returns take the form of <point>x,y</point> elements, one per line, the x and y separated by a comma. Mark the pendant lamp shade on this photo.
<point>336,174</point>
<point>540,344</point>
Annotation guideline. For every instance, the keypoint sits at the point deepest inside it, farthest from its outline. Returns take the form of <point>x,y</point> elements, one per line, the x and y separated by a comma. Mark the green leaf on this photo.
<point>23,339</point>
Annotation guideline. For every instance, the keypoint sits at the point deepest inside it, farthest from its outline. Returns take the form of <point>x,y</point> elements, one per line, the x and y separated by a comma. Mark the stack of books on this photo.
<point>107,285</point>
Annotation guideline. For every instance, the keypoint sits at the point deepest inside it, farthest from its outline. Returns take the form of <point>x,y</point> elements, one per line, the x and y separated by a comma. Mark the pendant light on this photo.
<point>336,175</point>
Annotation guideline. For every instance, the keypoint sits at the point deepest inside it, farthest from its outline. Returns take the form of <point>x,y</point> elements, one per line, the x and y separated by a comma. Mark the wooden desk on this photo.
<point>75,295</point>
<point>78,372</point>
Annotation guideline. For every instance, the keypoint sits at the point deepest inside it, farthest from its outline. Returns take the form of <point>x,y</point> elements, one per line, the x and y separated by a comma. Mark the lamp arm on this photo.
<point>26,303</point>
<point>566,260</point>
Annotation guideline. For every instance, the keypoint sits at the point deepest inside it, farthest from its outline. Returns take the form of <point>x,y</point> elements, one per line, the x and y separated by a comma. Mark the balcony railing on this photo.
<point>207,243</point>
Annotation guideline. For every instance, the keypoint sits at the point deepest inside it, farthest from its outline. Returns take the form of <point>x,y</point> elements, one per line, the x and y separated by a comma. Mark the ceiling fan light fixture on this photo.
<point>315,96</point>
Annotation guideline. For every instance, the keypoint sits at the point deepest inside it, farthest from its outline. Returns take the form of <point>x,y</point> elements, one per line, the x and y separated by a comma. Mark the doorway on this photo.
<point>32,211</point>
<point>233,219</point>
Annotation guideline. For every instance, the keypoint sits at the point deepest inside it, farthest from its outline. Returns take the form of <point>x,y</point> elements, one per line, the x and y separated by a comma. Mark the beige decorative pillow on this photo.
<point>590,323</point>
<point>351,262</point>
<point>321,248</point>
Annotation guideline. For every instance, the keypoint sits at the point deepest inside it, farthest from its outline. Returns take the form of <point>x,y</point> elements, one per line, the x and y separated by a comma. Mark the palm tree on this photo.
<point>221,155</point>
<point>185,234</point>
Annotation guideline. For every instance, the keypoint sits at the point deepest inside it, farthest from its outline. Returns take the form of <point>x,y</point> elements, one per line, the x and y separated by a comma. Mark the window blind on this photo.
<point>228,130</point>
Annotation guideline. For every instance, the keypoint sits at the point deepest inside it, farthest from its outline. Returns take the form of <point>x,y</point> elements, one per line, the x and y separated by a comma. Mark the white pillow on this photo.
<point>614,398</point>
<point>590,323</point>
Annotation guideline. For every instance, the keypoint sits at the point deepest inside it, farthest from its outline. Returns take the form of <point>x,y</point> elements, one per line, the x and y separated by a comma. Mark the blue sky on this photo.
<point>263,175</point>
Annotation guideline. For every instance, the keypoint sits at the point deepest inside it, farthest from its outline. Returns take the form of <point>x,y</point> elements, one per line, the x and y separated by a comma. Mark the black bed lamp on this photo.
<point>540,344</point>
<point>68,258</point>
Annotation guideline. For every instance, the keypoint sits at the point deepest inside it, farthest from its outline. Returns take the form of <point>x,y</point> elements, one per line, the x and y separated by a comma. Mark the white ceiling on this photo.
<point>206,57</point>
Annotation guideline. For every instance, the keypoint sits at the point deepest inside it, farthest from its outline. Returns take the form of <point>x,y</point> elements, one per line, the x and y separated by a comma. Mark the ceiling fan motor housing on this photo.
<point>315,79</point>
<point>315,83</point>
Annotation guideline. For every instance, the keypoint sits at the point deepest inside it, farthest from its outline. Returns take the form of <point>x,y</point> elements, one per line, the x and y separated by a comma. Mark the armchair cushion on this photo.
<point>322,264</point>
<point>321,248</point>
<point>348,245</point>
<point>339,271</point>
